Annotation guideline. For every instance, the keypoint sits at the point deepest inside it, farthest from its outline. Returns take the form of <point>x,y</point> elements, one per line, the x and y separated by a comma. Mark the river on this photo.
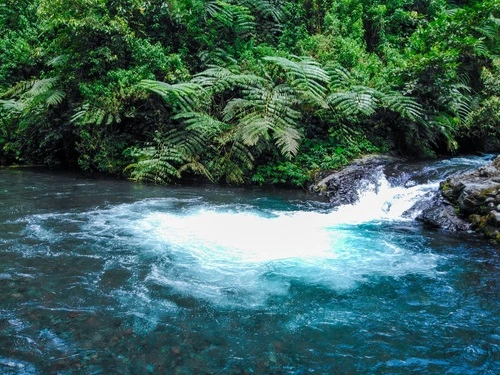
<point>99,276</point>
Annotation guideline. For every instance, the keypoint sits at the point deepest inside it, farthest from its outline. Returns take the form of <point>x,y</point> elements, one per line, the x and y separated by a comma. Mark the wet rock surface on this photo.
<point>343,186</point>
<point>468,201</point>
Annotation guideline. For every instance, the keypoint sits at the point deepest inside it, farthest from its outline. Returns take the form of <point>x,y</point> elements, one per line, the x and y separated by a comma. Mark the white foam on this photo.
<point>243,258</point>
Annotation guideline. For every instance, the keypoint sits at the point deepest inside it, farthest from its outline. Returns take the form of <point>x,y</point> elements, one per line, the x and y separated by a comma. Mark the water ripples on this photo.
<point>223,283</point>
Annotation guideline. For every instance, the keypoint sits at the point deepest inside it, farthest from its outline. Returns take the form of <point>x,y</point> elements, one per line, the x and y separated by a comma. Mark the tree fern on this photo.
<point>202,123</point>
<point>457,99</point>
<point>446,126</point>
<point>351,99</point>
<point>267,9</point>
<point>490,41</point>
<point>348,99</point>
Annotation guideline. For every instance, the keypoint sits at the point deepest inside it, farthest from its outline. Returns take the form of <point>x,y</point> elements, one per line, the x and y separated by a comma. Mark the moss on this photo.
<point>491,232</point>
<point>445,186</point>
<point>491,192</point>
<point>476,221</point>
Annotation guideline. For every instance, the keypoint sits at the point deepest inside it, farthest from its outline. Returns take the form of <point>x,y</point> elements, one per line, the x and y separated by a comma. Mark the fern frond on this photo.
<point>32,95</point>
<point>263,113</point>
<point>340,79</point>
<point>406,106</point>
<point>267,9</point>
<point>201,122</point>
<point>231,164</point>
<point>287,139</point>
<point>218,9</point>
<point>12,106</point>
<point>58,60</point>
<point>197,167</point>
<point>446,126</point>
<point>219,79</point>
<point>185,95</point>
<point>244,22</point>
<point>168,156</point>
<point>86,114</point>
<point>360,100</point>
<point>40,86</point>
<point>305,75</point>
<point>55,97</point>
<point>237,17</point>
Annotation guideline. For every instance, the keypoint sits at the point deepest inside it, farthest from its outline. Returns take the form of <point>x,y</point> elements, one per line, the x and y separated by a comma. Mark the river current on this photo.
<point>99,276</point>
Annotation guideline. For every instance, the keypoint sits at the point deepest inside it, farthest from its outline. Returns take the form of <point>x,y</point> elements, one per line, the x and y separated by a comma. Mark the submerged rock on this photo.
<point>468,201</point>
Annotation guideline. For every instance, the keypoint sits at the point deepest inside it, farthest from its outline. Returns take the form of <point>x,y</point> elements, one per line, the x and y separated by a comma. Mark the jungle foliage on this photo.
<point>240,91</point>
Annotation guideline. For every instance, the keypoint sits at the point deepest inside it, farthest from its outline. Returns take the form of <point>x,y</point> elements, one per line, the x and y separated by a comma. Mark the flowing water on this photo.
<point>108,277</point>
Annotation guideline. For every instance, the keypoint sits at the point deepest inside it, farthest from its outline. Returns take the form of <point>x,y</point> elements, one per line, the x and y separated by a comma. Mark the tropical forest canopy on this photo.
<point>238,91</point>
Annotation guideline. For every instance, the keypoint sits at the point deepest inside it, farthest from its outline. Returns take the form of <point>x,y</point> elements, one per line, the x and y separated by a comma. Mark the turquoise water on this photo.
<point>105,277</point>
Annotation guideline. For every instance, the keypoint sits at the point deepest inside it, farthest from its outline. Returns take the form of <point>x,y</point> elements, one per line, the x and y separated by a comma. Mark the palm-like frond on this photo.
<point>406,106</point>
<point>237,17</point>
<point>263,113</point>
<point>201,123</point>
<point>218,79</point>
<point>28,95</point>
<point>87,114</point>
<point>267,9</point>
<point>305,75</point>
<point>185,95</point>
<point>167,157</point>
<point>359,100</point>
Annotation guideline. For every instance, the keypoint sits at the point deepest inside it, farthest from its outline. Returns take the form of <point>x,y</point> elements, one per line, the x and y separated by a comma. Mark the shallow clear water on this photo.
<point>104,277</point>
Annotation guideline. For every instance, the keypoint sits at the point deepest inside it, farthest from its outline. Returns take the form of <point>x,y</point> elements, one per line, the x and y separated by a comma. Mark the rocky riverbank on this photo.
<point>468,201</point>
<point>464,202</point>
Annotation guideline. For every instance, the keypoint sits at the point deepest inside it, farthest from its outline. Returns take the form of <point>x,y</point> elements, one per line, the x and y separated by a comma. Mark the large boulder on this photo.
<point>342,186</point>
<point>467,201</point>
<point>441,214</point>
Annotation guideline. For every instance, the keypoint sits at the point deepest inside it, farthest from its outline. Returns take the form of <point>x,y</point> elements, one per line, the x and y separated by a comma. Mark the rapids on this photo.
<point>102,277</point>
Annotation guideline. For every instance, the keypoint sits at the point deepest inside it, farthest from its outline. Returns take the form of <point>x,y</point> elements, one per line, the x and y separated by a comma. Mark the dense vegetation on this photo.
<point>244,90</point>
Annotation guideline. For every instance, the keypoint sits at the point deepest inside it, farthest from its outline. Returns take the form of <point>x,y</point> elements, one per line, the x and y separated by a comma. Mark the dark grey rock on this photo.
<point>468,198</point>
<point>493,218</point>
<point>342,186</point>
<point>443,216</point>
